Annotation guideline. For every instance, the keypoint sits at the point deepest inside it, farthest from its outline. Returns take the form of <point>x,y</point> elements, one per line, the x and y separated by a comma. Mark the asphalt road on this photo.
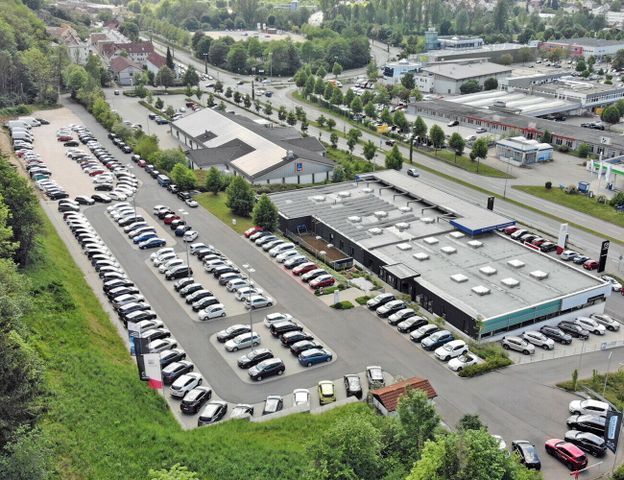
<point>518,402</point>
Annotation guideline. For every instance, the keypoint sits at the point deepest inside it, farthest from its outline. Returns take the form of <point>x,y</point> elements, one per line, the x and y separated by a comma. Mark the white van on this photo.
<point>18,123</point>
<point>32,121</point>
<point>22,136</point>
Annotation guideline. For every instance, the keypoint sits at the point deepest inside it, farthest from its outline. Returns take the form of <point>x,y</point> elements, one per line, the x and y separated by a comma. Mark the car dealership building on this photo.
<point>445,253</point>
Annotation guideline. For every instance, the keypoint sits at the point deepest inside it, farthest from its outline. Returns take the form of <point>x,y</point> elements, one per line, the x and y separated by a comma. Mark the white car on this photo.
<point>607,320</point>
<point>276,317</point>
<point>191,203</point>
<point>193,247</point>
<point>589,407</point>
<point>590,325</point>
<point>190,235</point>
<point>281,248</point>
<point>301,396</point>
<point>185,384</point>
<point>158,208</point>
<point>117,195</point>
<point>244,340</point>
<point>161,344</point>
<point>245,292</point>
<point>282,257</point>
<point>170,264</point>
<point>457,364</point>
<point>568,255</point>
<point>164,258</point>
<point>213,311</point>
<point>501,443</point>
<point>161,251</point>
<point>452,349</point>
<point>237,283</point>
<point>538,339</point>
<point>615,285</point>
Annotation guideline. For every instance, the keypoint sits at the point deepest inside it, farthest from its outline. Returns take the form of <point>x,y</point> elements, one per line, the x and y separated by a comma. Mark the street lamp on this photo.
<point>250,269</point>
<point>205,55</point>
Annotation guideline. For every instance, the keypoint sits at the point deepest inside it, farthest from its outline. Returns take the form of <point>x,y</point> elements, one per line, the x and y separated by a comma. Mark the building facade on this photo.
<point>519,151</point>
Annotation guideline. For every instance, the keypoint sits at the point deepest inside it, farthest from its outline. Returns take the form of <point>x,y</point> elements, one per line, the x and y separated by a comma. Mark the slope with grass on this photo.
<point>106,424</point>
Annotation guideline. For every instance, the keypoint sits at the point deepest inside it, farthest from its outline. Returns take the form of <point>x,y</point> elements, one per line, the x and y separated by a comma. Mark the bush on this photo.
<point>548,185</point>
<point>344,305</point>
<point>363,299</point>
<point>583,150</point>
<point>564,149</point>
<point>487,366</point>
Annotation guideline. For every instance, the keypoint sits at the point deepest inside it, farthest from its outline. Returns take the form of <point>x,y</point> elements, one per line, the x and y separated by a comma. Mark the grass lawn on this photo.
<point>615,386</point>
<point>465,163</point>
<point>577,202</point>
<point>357,164</point>
<point>216,206</point>
<point>106,424</point>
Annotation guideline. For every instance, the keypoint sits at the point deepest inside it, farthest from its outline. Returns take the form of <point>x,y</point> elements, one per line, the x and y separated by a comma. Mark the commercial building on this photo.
<point>454,42</point>
<point>584,47</point>
<point>492,52</point>
<point>259,150</point>
<point>445,253</point>
<point>519,151</point>
<point>447,78</point>
<point>393,71</point>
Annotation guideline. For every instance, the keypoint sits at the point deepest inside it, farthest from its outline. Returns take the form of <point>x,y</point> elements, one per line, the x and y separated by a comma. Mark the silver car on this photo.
<point>607,320</point>
<point>518,344</point>
<point>539,339</point>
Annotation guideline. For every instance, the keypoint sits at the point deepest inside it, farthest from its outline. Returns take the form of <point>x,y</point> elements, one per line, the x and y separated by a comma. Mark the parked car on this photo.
<point>212,413</point>
<point>185,384</point>
<point>573,329</point>
<point>457,364</point>
<point>312,274</point>
<point>258,301</point>
<point>301,397</point>
<point>615,285</point>
<point>289,338</point>
<point>590,264</point>
<point>423,332</point>
<point>527,454</point>
<point>326,392</point>
<point>353,385</point>
<point>590,325</point>
<point>452,349</point>
<point>375,377</point>
<point>279,328</point>
<point>195,399</point>
<point>314,356</point>
<point>607,320</point>
<point>411,324</point>
<point>303,345</point>
<point>175,370</point>
<point>587,442</point>
<point>304,268</point>
<point>567,255</point>
<point>589,407</point>
<point>556,334</point>
<point>272,404</point>
<point>381,299</point>
<point>169,356</point>
<point>242,410</point>
<point>436,339</point>
<point>254,357</point>
<point>244,340</point>
<point>518,344</point>
<point>568,454</point>
<point>213,311</point>
<point>403,314</point>
<point>538,339</point>
<point>388,308</point>
<point>231,332</point>
<point>587,423</point>
<point>267,368</point>
<point>322,281</point>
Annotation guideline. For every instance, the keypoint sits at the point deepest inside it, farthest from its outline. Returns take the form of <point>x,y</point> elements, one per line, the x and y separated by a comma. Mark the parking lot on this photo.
<point>517,403</point>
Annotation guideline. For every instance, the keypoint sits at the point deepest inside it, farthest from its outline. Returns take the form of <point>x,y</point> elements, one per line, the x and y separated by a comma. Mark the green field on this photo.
<point>106,424</point>
<point>215,204</point>
<point>465,163</point>
<point>578,202</point>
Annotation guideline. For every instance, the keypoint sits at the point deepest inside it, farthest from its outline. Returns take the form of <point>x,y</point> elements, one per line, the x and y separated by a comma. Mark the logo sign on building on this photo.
<point>563,238</point>
<point>605,140</point>
<point>612,430</point>
<point>604,250</point>
<point>298,167</point>
<point>153,370</point>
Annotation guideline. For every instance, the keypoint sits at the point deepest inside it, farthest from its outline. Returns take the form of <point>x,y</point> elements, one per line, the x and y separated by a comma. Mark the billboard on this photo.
<point>299,167</point>
<point>563,238</point>
<point>612,430</point>
<point>153,370</point>
<point>604,251</point>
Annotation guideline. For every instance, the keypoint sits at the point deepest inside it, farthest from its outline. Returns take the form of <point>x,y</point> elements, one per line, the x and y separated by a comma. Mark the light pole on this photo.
<point>188,265</point>
<point>205,55</point>
<point>250,269</point>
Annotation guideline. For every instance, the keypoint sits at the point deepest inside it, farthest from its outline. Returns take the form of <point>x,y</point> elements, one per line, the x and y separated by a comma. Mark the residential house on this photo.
<point>124,70</point>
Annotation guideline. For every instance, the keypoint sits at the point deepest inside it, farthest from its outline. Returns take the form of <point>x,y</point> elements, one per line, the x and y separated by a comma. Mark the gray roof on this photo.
<point>588,41</point>
<point>463,71</point>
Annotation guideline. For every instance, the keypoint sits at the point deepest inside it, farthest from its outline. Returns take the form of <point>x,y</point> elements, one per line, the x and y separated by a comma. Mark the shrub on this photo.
<point>548,185</point>
<point>564,149</point>
<point>583,150</point>
<point>344,305</point>
<point>487,366</point>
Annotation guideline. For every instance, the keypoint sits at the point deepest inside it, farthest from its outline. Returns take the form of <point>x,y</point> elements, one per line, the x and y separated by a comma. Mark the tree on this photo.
<point>479,150</point>
<point>337,97</point>
<point>386,116</point>
<point>457,144</point>
<point>217,54</point>
<point>321,72</point>
<point>218,86</point>
<point>436,134</point>
<point>75,78</point>
<point>581,66</point>
<point>583,150</point>
<point>490,84</point>
<point>265,213</point>
<point>470,422</point>
<point>333,139</point>
<point>169,59</point>
<point>339,174</point>
<point>214,180</point>
<point>349,449</point>
<point>420,128</point>
<point>618,60</point>
<point>418,421</point>
<point>331,123</point>
<point>282,113</point>
<point>470,86</point>
<point>170,111</point>
<point>506,59</point>
<point>407,80</point>
<point>372,70</point>
<point>370,149</point>
<point>176,472</point>
<point>369,110</point>
<point>247,100</point>
<point>546,137</point>
<point>165,77</point>
<point>183,177</point>
<point>228,92</point>
<point>268,108</point>
<point>159,103</point>
<point>321,120</point>
<point>165,160</point>
<point>146,146</point>
<point>237,58</point>
<point>611,115</point>
<point>291,118</point>
<point>240,196</point>
<point>400,121</point>
<point>190,76</point>
<point>394,158</point>
<point>336,69</point>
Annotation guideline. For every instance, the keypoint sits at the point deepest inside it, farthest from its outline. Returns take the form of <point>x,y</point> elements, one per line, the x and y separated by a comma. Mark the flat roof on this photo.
<point>587,42</point>
<point>461,71</point>
<point>485,264</point>
<point>490,48</point>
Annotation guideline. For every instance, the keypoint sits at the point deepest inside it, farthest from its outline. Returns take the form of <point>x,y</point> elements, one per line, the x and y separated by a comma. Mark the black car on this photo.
<point>175,370</point>
<point>179,272</point>
<point>111,284</point>
<point>556,334</point>
<point>587,423</point>
<point>273,404</point>
<point>353,385</point>
<point>547,247</point>
<point>218,271</point>
<point>231,332</point>
<point>132,307</point>
<point>173,188</point>
<point>303,345</point>
<point>71,143</point>
<point>527,454</point>
<point>183,195</point>
<point>169,356</point>
<point>580,259</point>
<point>411,324</point>
<point>212,413</point>
<point>155,334</point>
<point>398,318</point>
<point>195,399</point>
<point>573,329</point>
<point>280,328</point>
<point>176,223</point>
<point>267,368</point>
<point>66,207</point>
<point>204,303</point>
<point>295,336</point>
<point>121,290</point>
<point>197,295</point>
<point>139,316</point>
<point>182,283</point>
<point>191,288</point>
<point>254,357</point>
<point>588,442</point>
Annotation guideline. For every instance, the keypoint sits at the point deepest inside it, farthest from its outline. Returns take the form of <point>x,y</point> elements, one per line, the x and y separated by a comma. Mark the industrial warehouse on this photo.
<point>445,253</point>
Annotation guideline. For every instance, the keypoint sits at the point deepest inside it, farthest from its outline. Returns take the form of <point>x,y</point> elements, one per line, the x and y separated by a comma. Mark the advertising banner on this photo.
<point>563,238</point>
<point>612,430</point>
<point>604,251</point>
<point>133,333</point>
<point>153,370</point>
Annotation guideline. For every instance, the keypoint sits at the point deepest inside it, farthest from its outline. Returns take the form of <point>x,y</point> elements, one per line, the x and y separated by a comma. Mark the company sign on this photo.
<point>612,430</point>
<point>153,370</point>
<point>604,250</point>
<point>299,167</point>
<point>563,238</point>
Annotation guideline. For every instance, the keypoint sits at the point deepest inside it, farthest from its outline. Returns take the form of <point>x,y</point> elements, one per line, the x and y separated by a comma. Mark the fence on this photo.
<point>578,347</point>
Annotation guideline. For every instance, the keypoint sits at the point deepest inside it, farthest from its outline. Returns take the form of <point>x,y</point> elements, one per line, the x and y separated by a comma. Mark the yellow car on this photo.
<point>326,392</point>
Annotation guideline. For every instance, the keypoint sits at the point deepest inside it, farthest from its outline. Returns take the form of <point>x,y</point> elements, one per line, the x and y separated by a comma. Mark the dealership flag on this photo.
<point>612,430</point>
<point>563,237</point>
<point>153,370</point>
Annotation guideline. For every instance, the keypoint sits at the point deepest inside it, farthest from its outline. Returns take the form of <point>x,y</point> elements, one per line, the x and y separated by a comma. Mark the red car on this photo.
<point>141,163</point>
<point>322,281</point>
<point>304,268</point>
<point>538,241</point>
<point>590,265</point>
<point>95,173</point>
<point>170,218</point>
<point>510,230</point>
<point>570,455</point>
<point>250,231</point>
<point>64,138</point>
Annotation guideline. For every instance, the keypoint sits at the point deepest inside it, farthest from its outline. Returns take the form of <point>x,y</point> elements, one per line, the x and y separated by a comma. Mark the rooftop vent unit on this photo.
<point>367,190</point>
<point>510,282</point>
<point>427,220</point>
<point>430,240</point>
<point>354,219</point>
<point>487,270</point>
<point>421,256</point>
<point>539,274</point>
<point>515,263</point>
<point>405,209</point>
<point>381,214</point>
<point>448,250</point>
<point>402,226</point>
<point>475,243</point>
<point>404,246</point>
<point>344,194</point>
<point>481,290</point>
<point>456,234</point>
<point>318,198</point>
<point>459,278</point>
<point>375,231</point>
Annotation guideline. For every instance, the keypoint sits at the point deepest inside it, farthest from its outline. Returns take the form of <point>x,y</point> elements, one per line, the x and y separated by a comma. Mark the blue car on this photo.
<point>152,243</point>
<point>143,237</point>
<point>181,230</point>
<point>436,339</point>
<point>314,356</point>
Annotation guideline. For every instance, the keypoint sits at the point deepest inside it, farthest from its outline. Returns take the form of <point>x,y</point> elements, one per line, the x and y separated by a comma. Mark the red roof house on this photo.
<point>386,399</point>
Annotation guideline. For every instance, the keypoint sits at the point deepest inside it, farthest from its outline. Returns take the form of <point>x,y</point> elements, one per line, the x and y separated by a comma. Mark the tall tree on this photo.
<point>240,196</point>
<point>190,76</point>
<point>394,158</point>
<point>183,177</point>
<point>165,77</point>
<point>436,134</point>
<point>457,143</point>
<point>214,180</point>
<point>370,149</point>
<point>265,213</point>
<point>169,59</point>
<point>611,115</point>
